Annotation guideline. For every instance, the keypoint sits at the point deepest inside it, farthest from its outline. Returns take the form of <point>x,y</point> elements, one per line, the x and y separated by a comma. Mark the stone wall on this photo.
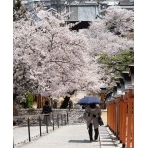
<point>75,116</point>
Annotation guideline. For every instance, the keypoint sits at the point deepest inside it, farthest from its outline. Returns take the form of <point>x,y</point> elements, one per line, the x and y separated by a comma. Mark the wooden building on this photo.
<point>40,100</point>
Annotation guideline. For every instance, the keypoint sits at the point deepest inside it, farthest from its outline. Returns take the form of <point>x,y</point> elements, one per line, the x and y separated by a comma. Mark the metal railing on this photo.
<point>31,126</point>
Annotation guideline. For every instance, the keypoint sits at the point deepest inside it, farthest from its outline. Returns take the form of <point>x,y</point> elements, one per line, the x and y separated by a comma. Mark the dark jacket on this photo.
<point>46,109</point>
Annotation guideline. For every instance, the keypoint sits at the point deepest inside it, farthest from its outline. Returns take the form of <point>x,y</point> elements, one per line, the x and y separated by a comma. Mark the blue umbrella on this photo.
<point>89,100</point>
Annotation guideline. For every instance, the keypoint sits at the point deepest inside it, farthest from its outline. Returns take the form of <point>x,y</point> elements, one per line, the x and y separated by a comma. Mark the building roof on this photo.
<point>110,3</point>
<point>83,12</point>
<point>126,2</point>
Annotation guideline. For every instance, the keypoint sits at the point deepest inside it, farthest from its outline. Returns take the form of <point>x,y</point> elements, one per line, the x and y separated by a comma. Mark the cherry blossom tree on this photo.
<point>56,60</point>
<point>102,40</point>
<point>52,60</point>
<point>119,21</point>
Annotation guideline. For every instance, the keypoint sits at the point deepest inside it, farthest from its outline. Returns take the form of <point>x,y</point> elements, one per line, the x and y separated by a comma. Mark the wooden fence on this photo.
<point>120,118</point>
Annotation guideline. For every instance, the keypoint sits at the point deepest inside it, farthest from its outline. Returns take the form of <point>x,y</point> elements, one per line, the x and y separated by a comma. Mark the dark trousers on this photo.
<point>90,131</point>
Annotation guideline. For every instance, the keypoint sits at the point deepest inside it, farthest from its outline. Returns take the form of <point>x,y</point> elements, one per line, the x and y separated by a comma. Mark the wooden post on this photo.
<point>124,125</point>
<point>103,95</point>
<point>103,99</point>
<point>40,125</point>
<point>121,120</point>
<point>114,121</point>
<point>29,137</point>
<point>39,101</point>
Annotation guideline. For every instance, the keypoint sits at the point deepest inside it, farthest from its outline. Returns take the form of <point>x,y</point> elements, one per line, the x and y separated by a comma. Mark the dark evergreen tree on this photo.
<point>118,63</point>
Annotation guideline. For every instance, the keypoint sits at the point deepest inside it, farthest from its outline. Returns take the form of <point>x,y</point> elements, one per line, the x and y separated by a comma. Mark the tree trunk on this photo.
<point>65,103</point>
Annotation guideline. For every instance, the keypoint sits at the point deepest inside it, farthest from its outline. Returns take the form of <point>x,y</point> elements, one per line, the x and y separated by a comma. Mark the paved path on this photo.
<point>71,136</point>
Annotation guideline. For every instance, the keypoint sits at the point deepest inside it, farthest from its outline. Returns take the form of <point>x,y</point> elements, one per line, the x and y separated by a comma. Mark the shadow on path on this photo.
<point>79,141</point>
<point>112,138</point>
<point>107,145</point>
<point>106,140</point>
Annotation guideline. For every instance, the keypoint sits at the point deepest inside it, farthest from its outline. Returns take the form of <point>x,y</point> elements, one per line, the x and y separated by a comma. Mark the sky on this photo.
<point>140,73</point>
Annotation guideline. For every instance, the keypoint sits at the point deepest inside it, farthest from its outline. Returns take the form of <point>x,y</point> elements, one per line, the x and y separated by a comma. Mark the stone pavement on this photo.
<point>71,136</point>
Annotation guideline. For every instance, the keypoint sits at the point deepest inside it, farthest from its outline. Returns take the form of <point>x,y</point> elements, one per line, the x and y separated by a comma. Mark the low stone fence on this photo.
<point>22,112</point>
<point>74,116</point>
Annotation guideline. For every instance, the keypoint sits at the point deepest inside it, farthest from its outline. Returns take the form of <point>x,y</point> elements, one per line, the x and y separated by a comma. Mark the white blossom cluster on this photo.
<point>119,20</point>
<point>52,60</point>
<point>101,40</point>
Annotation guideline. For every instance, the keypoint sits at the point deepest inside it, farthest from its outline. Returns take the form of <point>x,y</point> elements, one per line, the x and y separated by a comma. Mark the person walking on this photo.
<point>47,110</point>
<point>91,115</point>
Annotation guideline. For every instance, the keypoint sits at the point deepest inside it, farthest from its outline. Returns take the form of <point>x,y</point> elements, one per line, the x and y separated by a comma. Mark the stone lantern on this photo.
<point>120,85</point>
<point>128,83</point>
<point>114,94</point>
<point>127,79</point>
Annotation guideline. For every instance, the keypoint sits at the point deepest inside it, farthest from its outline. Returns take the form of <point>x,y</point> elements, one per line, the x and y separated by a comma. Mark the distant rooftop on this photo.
<point>83,12</point>
<point>126,2</point>
<point>110,3</point>
<point>84,3</point>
